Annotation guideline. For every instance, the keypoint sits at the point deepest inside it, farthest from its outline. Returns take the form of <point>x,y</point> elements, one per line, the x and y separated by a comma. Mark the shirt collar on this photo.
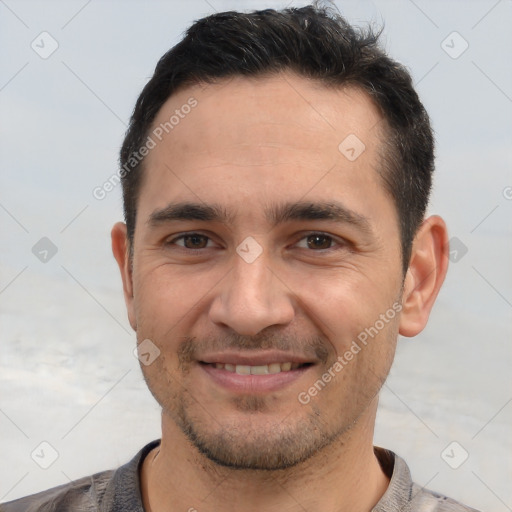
<point>399,492</point>
<point>123,494</point>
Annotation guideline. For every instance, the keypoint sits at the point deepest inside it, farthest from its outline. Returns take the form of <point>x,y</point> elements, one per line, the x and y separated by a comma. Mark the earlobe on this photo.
<point>121,251</point>
<point>425,275</point>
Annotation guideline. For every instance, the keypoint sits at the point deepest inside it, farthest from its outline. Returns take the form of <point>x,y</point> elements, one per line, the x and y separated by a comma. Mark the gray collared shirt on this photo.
<point>119,491</point>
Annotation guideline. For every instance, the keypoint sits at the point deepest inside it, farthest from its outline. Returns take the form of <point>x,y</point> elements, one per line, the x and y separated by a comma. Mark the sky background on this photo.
<point>67,373</point>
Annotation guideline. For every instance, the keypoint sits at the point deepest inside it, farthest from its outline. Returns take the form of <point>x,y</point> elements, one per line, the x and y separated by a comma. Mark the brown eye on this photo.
<point>319,242</point>
<point>190,241</point>
<point>195,241</point>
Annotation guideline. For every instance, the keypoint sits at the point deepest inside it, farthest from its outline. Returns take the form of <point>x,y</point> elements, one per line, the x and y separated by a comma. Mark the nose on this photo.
<point>251,298</point>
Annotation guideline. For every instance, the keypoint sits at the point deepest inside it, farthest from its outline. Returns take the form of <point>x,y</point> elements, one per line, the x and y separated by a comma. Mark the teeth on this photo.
<point>259,370</point>
<point>243,369</point>
<point>274,368</point>
<point>264,369</point>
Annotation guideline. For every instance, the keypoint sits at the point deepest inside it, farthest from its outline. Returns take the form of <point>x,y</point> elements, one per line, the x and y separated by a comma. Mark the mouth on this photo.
<point>254,374</point>
<point>261,369</point>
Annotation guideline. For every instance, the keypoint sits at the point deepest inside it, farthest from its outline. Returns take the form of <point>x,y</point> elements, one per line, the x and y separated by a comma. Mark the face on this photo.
<point>266,268</point>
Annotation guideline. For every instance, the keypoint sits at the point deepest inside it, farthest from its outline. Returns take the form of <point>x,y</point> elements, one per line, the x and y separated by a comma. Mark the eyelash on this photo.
<point>341,244</point>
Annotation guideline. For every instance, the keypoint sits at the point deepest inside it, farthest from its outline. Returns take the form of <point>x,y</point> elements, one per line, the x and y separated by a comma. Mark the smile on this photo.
<point>264,369</point>
<point>258,378</point>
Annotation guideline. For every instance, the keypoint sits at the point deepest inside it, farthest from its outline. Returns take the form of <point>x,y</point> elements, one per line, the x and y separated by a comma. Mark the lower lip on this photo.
<point>253,383</point>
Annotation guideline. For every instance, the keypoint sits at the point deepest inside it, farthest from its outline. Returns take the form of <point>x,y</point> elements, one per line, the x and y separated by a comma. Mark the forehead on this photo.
<point>282,109</point>
<point>267,137</point>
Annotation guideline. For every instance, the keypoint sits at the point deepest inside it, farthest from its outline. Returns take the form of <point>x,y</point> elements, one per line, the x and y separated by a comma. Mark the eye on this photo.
<point>313,241</point>
<point>317,241</point>
<point>191,241</point>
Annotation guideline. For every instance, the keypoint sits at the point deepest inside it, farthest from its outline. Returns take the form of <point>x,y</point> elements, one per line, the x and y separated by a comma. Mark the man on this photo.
<point>276,174</point>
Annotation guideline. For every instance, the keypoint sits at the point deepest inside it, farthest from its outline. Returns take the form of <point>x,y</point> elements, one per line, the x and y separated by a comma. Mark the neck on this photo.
<point>344,476</point>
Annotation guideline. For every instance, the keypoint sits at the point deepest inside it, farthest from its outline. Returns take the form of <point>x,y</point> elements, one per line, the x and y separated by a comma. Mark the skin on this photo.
<point>248,145</point>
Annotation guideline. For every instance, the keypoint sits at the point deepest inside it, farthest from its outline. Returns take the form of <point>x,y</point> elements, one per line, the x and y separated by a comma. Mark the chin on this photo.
<point>256,441</point>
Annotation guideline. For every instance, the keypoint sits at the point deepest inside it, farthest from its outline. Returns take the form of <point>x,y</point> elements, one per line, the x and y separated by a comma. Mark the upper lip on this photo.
<point>253,358</point>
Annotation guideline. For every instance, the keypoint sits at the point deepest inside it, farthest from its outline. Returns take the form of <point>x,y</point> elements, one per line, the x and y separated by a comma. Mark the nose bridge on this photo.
<point>252,279</point>
<point>251,298</point>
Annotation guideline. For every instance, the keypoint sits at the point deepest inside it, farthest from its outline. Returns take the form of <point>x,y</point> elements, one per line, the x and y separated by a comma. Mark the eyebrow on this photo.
<point>275,214</point>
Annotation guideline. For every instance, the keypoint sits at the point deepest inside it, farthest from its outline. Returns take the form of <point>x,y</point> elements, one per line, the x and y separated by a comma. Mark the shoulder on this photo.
<point>82,495</point>
<point>112,490</point>
<point>405,495</point>
<point>424,500</point>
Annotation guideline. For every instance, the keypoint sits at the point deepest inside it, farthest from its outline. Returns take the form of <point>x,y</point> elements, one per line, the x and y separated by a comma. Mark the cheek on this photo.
<point>166,296</point>
<point>343,304</point>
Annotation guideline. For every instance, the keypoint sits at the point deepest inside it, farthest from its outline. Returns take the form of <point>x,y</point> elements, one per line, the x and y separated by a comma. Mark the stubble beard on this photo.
<point>280,445</point>
<point>250,442</point>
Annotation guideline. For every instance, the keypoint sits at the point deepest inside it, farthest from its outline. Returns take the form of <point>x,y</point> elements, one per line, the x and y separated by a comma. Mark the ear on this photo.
<point>425,275</point>
<point>121,250</point>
